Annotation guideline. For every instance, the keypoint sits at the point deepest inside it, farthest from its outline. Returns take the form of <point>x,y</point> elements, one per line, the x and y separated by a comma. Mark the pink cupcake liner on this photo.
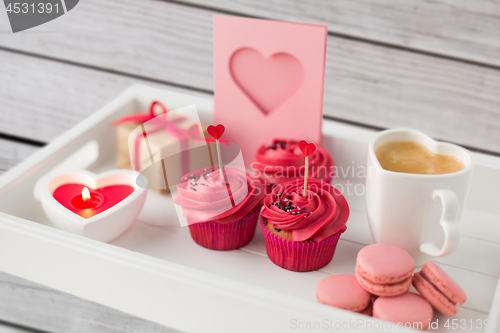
<point>224,237</point>
<point>303,256</point>
<point>268,188</point>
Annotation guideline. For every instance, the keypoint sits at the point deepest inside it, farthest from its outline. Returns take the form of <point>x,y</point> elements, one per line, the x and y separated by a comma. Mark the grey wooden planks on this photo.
<point>6,328</point>
<point>12,153</point>
<point>52,97</point>
<point>365,83</point>
<point>33,305</point>
<point>451,101</point>
<point>466,29</point>
<point>161,41</point>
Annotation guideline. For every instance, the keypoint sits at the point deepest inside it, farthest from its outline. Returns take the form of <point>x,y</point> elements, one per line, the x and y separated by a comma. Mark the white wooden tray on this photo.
<point>155,271</point>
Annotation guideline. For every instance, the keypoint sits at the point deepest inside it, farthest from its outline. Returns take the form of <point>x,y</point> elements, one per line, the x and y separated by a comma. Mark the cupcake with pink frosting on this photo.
<point>283,161</point>
<point>222,214</point>
<point>301,234</point>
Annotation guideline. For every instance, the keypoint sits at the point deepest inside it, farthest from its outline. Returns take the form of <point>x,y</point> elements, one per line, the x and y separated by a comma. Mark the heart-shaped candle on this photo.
<point>99,207</point>
<point>87,203</point>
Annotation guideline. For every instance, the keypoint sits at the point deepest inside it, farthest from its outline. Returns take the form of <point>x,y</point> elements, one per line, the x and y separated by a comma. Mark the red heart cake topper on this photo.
<point>307,147</point>
<point>216,131</point>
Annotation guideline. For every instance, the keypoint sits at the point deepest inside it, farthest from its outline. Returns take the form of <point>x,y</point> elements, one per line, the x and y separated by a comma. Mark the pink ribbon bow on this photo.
<point>170,127</point>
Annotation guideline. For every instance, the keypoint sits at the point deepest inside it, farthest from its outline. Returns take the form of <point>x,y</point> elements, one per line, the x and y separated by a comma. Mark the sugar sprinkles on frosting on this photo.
<point>194,181</point>
<point>321,214</point>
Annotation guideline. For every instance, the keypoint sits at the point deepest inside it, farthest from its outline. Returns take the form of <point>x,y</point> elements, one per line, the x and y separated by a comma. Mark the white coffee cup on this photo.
<point>418,212</point>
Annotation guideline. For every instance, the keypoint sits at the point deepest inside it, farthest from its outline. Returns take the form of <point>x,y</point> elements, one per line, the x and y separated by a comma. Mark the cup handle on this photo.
<point>449,223</point>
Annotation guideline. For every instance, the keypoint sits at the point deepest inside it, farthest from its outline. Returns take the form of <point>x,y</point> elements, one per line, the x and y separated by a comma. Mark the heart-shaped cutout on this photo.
<point>307,148</point>
<point>268,83</point>
<point>122,202</point>
<point>216,131</point>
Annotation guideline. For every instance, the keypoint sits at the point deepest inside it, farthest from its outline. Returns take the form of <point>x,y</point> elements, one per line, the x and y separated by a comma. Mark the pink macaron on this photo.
<point>409,309</point>
<point>343,291</point>
<point>384,269</point>
<point>439,289</point>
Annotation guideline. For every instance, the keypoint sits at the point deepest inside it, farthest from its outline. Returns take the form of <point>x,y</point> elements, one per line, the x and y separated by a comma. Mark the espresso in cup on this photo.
<point>417,206</point>
<point>412,157</point>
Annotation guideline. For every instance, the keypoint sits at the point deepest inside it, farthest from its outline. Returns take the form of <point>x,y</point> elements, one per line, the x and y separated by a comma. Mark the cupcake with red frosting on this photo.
<point>221,215</point>
<point>283,161</point>
<point>301,234</point>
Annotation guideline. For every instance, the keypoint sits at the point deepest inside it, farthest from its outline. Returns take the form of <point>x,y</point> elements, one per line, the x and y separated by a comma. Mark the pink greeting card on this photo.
<point>269,79</point>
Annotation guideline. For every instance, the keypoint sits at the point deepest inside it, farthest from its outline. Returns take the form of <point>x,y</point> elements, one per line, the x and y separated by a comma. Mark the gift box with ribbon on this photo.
<point>144,140</point>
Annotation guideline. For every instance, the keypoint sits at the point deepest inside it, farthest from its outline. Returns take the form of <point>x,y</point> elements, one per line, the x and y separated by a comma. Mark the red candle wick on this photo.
<point>81,202</point>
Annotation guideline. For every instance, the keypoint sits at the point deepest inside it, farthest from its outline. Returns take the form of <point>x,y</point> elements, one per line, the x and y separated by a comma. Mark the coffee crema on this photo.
<point>412,157</point>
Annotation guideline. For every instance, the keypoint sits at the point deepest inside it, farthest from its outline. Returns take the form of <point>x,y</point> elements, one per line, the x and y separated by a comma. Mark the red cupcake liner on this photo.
<point>224,237</point>
<point>303,256</point>
<point>268,188</point>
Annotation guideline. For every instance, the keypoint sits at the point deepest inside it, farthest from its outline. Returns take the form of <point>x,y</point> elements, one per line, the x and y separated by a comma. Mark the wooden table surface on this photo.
<point>431,65</point>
